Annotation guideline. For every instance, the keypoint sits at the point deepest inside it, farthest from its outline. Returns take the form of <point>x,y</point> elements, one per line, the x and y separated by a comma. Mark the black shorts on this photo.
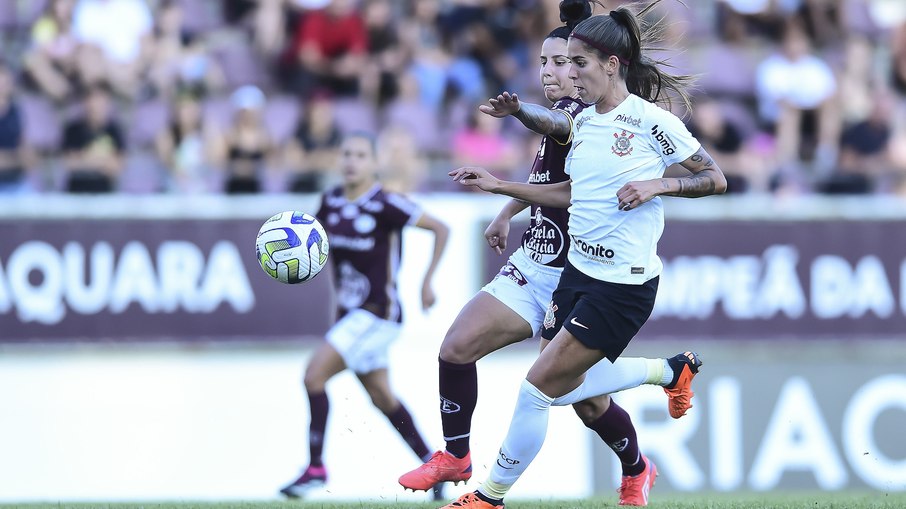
<point>602,315</point>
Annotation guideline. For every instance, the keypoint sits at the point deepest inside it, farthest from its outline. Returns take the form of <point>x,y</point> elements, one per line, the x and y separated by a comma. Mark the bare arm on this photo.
<point>497,232</point>
<point>549,195</point>
<point>706,179</point>
<point>535,117</point>
<point>441,233</point>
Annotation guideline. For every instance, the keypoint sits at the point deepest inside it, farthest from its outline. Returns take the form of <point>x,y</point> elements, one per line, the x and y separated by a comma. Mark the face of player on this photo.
<point>357,161</point>
<point>591,76</point>
<point>555,69</point>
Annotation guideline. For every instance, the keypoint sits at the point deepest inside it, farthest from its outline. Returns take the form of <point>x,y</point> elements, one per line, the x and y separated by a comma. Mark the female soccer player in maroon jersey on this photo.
<point>364,224</point>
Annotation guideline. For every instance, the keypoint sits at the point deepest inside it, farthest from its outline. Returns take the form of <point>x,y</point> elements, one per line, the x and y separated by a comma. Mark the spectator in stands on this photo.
<point>723,139</point>
<point>183,147</point>
<point>50,62</point>
<point>93,146</point>
<point>328,50</point>
<point>761,17</point>
<point>12,150</point>
<point>898,60</point>
<point>482,143</point>
<point>313,150</point>
<point>402,168</point>
<point>422,44</point>
<point>798,102</point>
<point>265,19</point>
<point>864,155</point>
<point>180,60</point>
<point>116,35</point>
<point>245,149</point>
<point>386,60</point>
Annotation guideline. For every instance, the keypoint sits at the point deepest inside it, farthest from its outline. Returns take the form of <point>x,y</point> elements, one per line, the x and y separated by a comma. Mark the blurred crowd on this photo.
<point>253,96</point>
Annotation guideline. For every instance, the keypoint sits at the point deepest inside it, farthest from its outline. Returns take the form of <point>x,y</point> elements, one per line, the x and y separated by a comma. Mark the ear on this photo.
<point>612,65</point>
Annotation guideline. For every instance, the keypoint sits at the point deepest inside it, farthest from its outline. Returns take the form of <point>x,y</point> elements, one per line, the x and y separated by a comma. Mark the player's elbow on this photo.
<point>720,183</point>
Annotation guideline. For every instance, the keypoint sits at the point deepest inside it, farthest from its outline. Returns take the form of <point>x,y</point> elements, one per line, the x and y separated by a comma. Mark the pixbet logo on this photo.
<point>626,119</point>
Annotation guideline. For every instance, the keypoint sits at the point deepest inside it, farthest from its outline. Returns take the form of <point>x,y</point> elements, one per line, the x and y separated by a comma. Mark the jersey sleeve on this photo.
<point>672,139</point>
<point>399,211</point>
<point>570,108</point>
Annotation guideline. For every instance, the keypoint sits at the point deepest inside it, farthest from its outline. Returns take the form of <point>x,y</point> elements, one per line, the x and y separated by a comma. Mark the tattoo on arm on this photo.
<point>543,120</point>
<point>702,181</point>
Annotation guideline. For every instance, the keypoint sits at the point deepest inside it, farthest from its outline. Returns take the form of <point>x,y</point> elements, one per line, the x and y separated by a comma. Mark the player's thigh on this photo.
<point>562,365</point>
<point>323,365</point>
<point>483,326</point>
<point>377,385</point>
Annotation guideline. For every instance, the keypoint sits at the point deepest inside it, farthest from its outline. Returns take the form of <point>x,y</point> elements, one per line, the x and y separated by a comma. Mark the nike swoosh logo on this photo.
<point>502,466</point>
<point>577,324</point>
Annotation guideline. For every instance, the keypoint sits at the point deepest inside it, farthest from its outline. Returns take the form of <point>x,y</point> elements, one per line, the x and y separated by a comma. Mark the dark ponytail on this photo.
<point>623,35</point>
<point>572,12</point>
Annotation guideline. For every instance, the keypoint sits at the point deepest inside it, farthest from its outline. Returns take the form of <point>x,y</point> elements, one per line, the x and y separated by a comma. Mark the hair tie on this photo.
<point>600,47</point>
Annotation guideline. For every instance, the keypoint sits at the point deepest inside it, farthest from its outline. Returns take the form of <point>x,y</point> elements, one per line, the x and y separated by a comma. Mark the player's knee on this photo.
<point>383,401</point>
<point>313,381</point>
<point>459,347</point>
<point>590,409</point>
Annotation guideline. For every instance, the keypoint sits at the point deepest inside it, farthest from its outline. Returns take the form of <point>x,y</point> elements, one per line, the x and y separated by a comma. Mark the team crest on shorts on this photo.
<point>622,145</point>
<point>549,320</point>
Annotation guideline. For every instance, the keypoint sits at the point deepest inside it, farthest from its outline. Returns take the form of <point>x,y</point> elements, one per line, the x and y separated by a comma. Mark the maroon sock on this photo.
<point>458,396</point>
<point>616,430</point>
<point>319,405</point>
<point>402,421</point>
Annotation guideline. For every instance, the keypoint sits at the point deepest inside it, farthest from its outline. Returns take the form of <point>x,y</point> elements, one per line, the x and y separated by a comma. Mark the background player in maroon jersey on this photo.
<point>364,223</point>
<point>512,307</point>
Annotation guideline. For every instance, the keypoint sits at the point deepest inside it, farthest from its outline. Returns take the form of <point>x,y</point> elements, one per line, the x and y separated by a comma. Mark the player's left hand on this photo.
<point>428,297</point>
<point>633,194</point>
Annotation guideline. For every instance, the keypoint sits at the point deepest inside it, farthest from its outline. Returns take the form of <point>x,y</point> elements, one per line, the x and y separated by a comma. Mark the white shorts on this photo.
<point>525,287</point>
<point>363,340</point>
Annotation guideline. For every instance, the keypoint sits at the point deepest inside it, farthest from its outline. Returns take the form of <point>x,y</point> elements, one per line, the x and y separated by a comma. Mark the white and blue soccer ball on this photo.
<point>292,247</point>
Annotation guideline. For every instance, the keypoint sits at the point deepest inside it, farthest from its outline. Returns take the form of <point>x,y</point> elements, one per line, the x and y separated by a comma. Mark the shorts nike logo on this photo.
<point>577,324</point>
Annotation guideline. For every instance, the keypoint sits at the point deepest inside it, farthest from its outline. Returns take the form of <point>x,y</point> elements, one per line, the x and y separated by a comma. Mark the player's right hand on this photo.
<point>476,176</point>
<point>501,106</point>
<point>496,234</point>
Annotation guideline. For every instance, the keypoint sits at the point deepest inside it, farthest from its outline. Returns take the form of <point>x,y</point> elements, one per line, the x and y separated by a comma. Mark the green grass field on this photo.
<point>717,501</point>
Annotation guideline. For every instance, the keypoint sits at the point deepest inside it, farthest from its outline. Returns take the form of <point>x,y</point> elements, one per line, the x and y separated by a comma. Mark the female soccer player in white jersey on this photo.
<point>364,223</point>
<point>511,308</point>
<point>621,148</point>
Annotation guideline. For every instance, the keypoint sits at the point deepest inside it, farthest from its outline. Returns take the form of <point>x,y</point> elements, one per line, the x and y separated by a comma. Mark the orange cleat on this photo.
<point>471,501</point>
<point>634,489</point>
<point>680,395</point>
<point>442,467</point>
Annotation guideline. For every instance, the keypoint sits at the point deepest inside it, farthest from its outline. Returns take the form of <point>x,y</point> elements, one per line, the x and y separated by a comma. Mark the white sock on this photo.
<point>606,377</point>
<point>528,428</point>
<point>667,375</point>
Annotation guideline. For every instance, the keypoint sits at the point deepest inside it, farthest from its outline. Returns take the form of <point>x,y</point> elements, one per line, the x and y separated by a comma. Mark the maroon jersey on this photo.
<point>365,247</point>
<point>545,241</point>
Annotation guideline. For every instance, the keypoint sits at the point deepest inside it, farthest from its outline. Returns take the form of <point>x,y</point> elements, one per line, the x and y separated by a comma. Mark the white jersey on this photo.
<point>635,141</point>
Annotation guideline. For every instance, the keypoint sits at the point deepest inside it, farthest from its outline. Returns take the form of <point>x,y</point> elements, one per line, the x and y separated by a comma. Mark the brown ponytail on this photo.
<point>623,35</point>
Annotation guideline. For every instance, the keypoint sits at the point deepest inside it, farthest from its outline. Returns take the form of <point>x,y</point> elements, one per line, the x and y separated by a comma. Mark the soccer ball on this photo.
<point>292,247</point>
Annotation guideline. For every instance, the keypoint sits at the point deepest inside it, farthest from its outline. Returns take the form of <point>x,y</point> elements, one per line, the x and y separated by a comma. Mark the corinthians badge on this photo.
<point>622,145</point>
